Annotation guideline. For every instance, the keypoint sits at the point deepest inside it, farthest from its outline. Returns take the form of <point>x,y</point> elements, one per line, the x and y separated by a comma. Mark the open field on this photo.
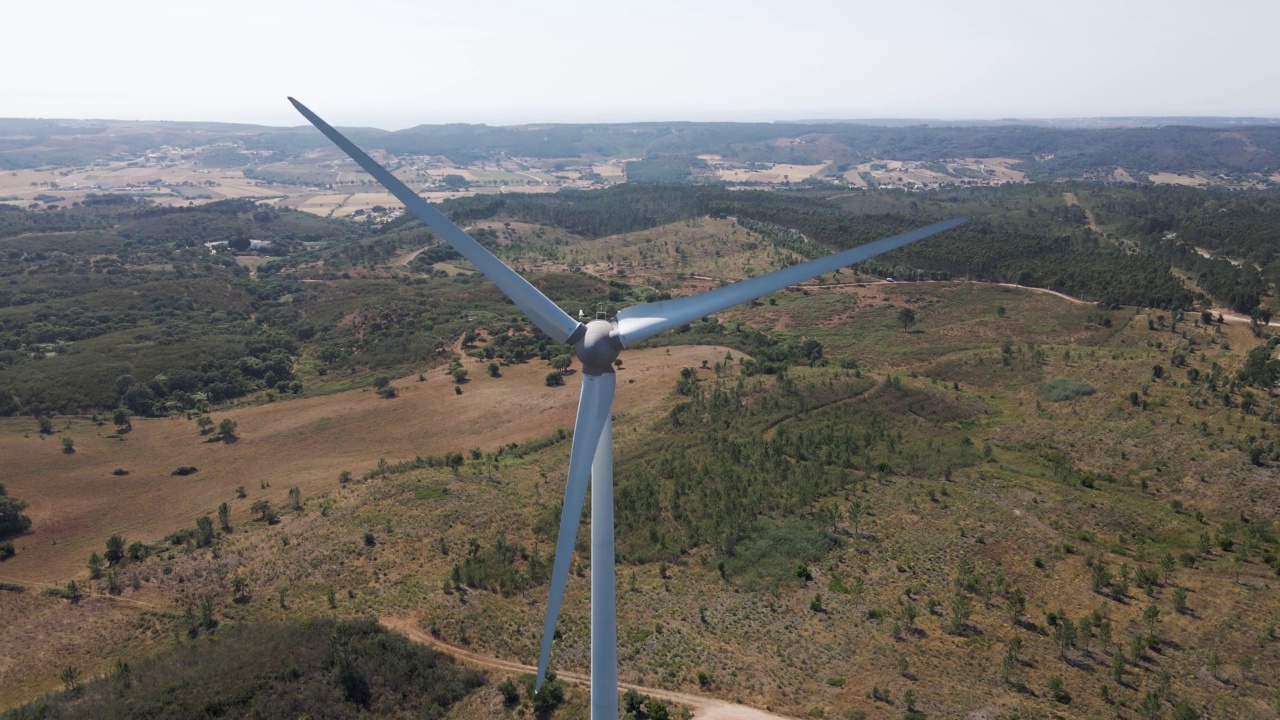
<point>41,635</point>
<point>919,175</point>
<point>174,183</point>
<point>780,173</point>
<point>319,182</point>
<point>1166,178</point>
<point>76,502</point>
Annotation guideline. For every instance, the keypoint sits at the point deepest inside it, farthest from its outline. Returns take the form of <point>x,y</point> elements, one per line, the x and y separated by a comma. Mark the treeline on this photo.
<point>1076,263</point>
<point>1030,246</point>
<point>784,237</point>
<point>320,668</point>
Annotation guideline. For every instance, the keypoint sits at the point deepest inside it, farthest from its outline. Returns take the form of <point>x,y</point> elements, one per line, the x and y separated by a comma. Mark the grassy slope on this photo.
<point>770,647</point>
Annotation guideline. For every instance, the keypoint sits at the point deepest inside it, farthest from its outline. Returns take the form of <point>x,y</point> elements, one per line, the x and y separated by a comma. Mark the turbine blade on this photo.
<point>593,413</point>
<point>538,307</point>
<point>641,321</point>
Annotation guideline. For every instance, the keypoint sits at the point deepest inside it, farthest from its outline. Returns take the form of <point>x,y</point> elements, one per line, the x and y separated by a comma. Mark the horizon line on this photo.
<point>872,120</point>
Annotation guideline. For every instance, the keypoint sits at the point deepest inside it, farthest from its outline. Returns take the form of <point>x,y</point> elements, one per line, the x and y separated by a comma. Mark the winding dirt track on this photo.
<point>704,708</point>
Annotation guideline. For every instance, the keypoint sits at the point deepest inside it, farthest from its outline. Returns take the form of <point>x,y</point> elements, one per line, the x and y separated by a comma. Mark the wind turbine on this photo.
<point>597,344</point>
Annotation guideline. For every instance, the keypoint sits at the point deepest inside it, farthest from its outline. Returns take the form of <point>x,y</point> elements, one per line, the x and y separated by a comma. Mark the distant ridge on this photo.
<point>1080,123</point>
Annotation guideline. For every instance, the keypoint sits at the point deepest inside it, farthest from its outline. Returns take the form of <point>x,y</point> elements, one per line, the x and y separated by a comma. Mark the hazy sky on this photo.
<point>396,63</point>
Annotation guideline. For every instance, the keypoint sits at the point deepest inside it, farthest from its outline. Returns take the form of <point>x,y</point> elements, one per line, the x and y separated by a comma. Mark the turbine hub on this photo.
<point>598,347</point>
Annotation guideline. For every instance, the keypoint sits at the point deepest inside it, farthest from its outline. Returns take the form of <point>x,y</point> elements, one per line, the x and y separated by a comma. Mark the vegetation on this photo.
<point>12,521</point>
<point>1061,389</point>
<point>1081,490</point>
<point>851,431</point>
<point>318,669</point>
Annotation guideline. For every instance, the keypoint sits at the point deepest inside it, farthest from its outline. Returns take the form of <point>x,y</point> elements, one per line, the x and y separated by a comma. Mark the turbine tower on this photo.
<point>597,344</point>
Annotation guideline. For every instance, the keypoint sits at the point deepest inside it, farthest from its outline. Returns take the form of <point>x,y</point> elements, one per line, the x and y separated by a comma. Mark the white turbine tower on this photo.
<point>597,344</point>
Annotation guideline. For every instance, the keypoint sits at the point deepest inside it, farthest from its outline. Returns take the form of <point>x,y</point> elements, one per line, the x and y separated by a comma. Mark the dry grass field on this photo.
<point>1168,178</point>
<point>966,171</point>
<point>1121,175</point>
<point>76,502</point>
<point>779,173</point>
<point>40,635</point>
<point>174,182</point>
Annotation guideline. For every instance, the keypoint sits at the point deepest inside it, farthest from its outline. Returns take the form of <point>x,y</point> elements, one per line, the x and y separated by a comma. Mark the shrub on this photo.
<point>1057,691</point>
<point>119,472</point>
<point>227,429</point>
<point>1061,389</point>
<point>555,379</point>
<point>6,550</point>
<point>185,470</point>
<point>12,521</point>
<point>510,693</point>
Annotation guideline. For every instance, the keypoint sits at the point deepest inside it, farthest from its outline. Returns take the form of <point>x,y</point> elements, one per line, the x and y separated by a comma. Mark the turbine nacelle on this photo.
<point>596,345</point>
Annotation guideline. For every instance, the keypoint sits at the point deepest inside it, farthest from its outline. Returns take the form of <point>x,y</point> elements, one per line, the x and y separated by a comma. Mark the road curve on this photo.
<point>703,707</point>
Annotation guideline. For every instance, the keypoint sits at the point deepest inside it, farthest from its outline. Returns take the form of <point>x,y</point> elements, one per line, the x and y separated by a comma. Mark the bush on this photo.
<point>12,521</point>
<point>6,550</point>
<point>120,472</point>
<point>772,552</point>
<point>1061,389</point>
<point>227,429</point>
<point>510,693</point>
<point>555,379</point>
<point>1057,691</point>
<point>185,470</point>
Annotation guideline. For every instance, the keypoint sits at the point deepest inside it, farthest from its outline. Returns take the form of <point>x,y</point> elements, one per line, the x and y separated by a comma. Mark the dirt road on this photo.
<point>704,708</point>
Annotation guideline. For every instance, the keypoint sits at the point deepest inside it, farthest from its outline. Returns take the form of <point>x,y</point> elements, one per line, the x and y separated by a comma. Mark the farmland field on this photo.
<point>76,502</point>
